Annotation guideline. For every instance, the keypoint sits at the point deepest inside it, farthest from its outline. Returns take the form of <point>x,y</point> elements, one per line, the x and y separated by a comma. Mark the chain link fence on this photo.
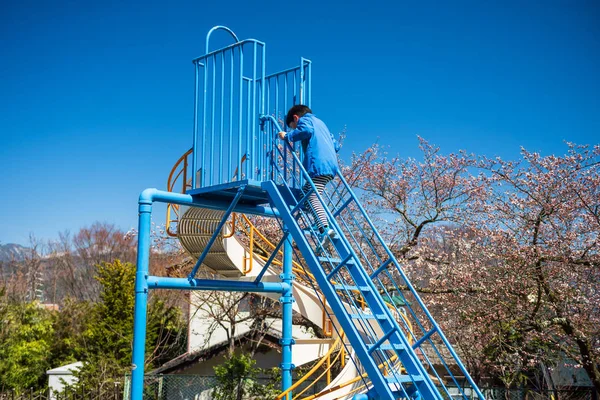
<point>195,387</point>
<point>102,392</point>
<point>175,387</point>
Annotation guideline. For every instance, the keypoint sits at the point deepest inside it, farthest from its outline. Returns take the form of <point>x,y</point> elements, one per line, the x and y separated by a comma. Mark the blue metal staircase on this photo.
<point>366,287</point>
<point>239,163</point>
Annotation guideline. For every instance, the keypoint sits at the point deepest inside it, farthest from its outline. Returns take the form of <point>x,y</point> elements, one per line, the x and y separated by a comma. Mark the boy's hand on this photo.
<point>282,135</point>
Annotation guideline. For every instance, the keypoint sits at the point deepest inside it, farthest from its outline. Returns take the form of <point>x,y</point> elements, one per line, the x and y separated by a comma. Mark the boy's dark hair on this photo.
<point>299,110</point>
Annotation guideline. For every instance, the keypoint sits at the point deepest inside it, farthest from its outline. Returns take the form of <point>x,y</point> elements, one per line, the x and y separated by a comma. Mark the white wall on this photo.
<point>61,376</point>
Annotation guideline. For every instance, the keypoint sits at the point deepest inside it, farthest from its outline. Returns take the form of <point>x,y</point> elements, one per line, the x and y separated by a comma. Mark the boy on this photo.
<point>320,159</point>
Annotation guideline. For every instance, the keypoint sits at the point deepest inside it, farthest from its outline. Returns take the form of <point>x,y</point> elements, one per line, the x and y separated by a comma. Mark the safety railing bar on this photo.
<point>231,91</point>
<point>221,111</point>
<point>280,73</point>
<point>212,119</point>
<point>332,198</point>
<point>226,48</point>
<point>385,290</point>
<point>195,130</point>
<point>338,189</point>
<point>180,160</point>
<point>252,114</point>
<point>249,139</point>
<point>240,111</point>
<point>170,188</point>
<point>216,28</point>
<point>203,126</point>
<point>440,357</point>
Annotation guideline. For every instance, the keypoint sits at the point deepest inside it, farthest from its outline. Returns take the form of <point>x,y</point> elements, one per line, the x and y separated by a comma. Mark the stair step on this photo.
<point>348,287</point>
<point>395,346</point>
<point>404,379</point>
<point>333,260</point>
<point>368,316</point>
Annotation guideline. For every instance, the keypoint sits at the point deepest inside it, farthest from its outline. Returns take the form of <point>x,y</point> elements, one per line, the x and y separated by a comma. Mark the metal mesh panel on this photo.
<point>195,229</point>
<point>178,387</point>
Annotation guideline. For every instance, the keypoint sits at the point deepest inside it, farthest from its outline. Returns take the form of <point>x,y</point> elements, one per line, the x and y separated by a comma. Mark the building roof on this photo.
<point>65,369</point>
<point>271,340</point>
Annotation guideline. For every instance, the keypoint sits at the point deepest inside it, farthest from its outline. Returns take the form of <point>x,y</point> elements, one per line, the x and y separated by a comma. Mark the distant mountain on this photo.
<point>12,251</point>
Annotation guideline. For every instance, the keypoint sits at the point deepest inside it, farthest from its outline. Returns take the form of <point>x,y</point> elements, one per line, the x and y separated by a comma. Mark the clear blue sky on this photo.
<point>96,97</point>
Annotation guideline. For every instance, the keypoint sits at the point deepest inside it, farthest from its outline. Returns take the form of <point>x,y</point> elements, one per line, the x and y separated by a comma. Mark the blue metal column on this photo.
<point>287,299</point>
<point>141,300</point>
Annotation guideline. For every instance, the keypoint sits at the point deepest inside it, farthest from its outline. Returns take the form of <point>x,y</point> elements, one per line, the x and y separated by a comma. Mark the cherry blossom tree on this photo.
<point>505,253</point>
<point>544,217</point>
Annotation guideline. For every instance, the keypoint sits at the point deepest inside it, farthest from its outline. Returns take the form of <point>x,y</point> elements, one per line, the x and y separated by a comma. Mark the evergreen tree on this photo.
<point>25,341</point>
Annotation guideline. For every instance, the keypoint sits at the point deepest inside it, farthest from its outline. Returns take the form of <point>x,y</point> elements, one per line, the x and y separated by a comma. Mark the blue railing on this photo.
<point>226,114</point>
<point>360,244</point>
<point>231,91</point>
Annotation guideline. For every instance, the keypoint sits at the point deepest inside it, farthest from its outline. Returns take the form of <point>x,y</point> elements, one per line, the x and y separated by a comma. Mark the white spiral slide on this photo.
<point>229,257</point>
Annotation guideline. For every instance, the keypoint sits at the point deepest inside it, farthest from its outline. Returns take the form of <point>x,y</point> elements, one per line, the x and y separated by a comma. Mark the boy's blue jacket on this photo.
<point>318,144</point>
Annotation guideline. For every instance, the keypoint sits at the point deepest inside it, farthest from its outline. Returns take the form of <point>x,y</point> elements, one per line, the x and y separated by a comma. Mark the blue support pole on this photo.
<point>159,282</point>
<point>141,300</point>
<point>287,300</point>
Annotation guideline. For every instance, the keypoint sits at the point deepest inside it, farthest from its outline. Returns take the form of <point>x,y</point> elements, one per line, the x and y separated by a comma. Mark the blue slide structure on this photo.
<point>241,166</point>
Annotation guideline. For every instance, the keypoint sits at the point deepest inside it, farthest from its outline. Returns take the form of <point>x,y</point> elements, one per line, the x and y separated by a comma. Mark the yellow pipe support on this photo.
<point>232,223</point>
<point>171,184</point>
<point>251,250</point>
<point>318,377</point>
<point>327,324</point>
<point>313,369</point>
<point>328,369</point>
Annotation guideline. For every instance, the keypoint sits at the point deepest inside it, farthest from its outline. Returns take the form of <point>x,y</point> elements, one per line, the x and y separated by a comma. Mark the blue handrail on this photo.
<point>349,218</point>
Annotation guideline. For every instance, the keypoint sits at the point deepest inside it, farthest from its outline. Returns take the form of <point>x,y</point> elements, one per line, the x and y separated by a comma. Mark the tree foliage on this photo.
<point>25,343</point>
<point>109,336</point>
<point>237,380</point>
<point>33,339</point>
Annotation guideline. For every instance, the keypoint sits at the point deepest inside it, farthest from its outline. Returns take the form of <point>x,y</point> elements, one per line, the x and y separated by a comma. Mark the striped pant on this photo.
<point>316,208</point>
